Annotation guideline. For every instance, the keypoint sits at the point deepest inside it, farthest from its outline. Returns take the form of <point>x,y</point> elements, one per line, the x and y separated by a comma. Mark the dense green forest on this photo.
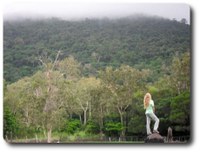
<point>87,78</point>
<point>142,42</point>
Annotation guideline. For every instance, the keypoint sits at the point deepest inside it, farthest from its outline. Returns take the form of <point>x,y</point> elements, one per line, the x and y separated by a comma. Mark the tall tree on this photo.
<point>83,95</point>
<point>180,73</point>
<point>123,83</point>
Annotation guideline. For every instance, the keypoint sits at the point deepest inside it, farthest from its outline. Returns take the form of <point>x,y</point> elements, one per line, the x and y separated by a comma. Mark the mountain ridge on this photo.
<point>141,42</point>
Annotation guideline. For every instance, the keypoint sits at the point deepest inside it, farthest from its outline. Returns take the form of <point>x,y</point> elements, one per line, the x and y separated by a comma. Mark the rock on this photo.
<point>154,138</point>
<point>169,135</point>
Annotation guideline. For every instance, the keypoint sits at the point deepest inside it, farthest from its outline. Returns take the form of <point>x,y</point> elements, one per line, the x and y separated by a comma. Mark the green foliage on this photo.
<point>139,41</point>
<point>113,128</point>
<point>180,107</point>
<point>137,124</point>
<point>180,73</point>
<point>72,126</point>
<point>10,125</point>
<point>114,101</point>
<point>92,127</point>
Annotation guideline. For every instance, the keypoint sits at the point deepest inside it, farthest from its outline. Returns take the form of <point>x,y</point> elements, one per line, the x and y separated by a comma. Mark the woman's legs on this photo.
<point>156,124</point>
<point>148,122</point>
<point>155,118</point>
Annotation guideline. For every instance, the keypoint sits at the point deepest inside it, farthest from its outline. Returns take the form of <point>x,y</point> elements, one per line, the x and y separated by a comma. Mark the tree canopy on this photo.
<point>139,41</point>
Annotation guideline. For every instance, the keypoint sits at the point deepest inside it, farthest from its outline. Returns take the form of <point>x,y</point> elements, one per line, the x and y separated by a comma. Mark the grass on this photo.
<point>80,137</point>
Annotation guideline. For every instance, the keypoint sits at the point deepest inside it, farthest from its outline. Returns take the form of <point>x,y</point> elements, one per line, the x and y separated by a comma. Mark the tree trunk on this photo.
<point>80,118</point>
<point>85,117</point>
<point>90,111</point>
<point>101,120</point>
<point>44,132</point>
<point>122,122</point>
<point>49,135</point>
<point>36,138</point>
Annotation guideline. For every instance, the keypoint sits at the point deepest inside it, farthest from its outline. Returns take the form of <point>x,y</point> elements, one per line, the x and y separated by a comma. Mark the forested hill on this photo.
<point>142,42</point>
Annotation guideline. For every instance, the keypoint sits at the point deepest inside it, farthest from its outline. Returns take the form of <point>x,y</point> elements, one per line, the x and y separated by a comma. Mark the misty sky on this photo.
<point>94,10</point>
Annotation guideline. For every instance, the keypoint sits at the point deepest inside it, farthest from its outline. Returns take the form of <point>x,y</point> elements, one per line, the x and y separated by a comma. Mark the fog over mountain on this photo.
<point>74,11</point>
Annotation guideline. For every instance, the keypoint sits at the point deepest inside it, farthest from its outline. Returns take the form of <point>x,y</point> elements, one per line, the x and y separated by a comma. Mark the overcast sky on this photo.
<point>91,10</point>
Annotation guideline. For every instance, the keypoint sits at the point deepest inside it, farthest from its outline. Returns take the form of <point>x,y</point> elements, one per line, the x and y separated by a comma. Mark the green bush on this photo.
<point>72,126</point>
<point>113,128</point>
<point>92,127</point>
<point>10,126</point>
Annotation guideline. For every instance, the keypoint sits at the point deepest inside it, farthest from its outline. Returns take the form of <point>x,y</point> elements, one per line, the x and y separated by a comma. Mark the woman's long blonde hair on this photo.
<point>146,101</point>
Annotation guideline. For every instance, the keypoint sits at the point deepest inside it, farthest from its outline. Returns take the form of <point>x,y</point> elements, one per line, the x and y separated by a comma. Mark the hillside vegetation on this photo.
<point>139,41</point>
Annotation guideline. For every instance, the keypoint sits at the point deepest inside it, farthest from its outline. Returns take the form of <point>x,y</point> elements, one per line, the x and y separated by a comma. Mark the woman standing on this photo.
<point>150,110</point>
